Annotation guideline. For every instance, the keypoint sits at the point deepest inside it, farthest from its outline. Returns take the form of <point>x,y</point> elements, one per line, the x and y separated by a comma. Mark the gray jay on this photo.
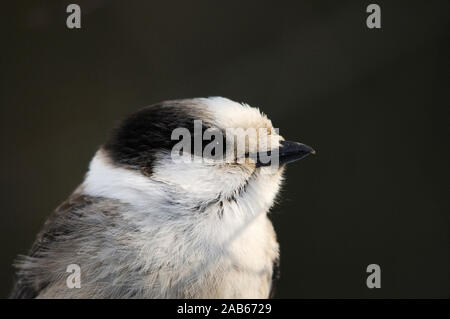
<point>142,225</point>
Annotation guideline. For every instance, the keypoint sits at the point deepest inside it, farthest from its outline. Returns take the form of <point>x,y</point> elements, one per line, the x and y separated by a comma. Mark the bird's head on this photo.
<point>204,149</point>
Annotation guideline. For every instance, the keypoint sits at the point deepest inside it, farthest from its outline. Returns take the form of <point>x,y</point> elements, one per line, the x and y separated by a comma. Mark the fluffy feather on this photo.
<point>185,230</point>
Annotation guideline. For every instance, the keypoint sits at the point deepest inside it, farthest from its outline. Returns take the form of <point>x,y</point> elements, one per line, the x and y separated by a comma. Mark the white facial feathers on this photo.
<point>192,182</point>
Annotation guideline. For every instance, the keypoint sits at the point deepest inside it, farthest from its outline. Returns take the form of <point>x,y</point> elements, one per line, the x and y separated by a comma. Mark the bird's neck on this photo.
<point>131,187</point>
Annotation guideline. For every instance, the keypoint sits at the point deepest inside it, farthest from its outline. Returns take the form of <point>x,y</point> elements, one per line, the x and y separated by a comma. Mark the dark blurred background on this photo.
<point>373,103</point>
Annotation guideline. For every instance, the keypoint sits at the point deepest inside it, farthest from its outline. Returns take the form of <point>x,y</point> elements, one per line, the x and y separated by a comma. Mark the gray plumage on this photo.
<point>92,233</point>
<point>144,226</point>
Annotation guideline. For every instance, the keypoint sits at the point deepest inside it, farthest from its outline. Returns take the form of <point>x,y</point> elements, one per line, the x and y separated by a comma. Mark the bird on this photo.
<point>144,225</point>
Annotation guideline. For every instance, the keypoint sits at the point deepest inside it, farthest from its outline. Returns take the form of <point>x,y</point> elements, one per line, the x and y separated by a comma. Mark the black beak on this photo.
<point>293,151</point>
<point>288,152</point>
